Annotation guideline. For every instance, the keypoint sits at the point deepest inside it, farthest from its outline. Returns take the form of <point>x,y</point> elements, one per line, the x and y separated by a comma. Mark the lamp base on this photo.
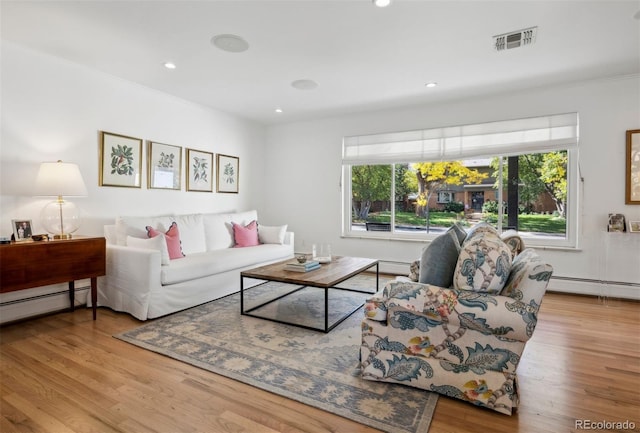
<point>62,236</point>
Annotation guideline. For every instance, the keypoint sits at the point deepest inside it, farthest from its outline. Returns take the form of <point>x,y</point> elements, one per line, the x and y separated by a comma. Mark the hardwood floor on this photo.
<point>66,373</point>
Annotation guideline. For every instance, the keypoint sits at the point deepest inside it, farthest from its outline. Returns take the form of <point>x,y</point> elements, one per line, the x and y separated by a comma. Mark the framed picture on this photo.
<point>21,230</point>
<point>633,167</point>
<point>120,160</point>
<point>634,226</point>
<point>165,166</point>
<point>228,173</point>
<point>616,223</point>
<point>199,170</point>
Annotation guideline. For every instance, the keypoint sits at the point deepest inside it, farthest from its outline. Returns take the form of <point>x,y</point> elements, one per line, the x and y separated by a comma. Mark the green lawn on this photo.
<point>526,223</point>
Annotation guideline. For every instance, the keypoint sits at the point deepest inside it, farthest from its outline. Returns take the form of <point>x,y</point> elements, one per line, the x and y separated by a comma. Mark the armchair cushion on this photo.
<point>483,263</point>
<point>439,258</point>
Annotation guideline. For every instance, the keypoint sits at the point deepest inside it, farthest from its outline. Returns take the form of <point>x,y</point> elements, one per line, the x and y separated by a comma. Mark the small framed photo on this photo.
<point>616,223</point>
<point>634,226</point>
<point>120,160</point>
<point>199,167</point>
<point>165,166</point>
<point>633,167</point>
<point>228,169</point>
<point>21,230</point>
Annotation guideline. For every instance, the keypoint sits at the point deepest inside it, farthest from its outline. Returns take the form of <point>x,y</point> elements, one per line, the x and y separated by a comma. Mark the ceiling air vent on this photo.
<point>520,38</point>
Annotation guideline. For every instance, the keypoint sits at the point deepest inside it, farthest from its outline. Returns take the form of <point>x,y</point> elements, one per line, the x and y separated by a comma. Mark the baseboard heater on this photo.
<point>37,304</point>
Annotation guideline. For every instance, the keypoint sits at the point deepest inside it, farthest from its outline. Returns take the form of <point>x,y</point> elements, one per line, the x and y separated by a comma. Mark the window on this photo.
<point>517,174</point>
<point>445,197</point>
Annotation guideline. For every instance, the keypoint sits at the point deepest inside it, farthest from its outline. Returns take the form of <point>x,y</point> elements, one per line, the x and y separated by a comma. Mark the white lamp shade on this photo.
<point>60,179</point>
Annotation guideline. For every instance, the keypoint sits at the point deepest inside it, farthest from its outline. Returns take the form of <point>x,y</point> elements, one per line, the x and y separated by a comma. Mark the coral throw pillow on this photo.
<point>173,240</point>
<point>245,236</point>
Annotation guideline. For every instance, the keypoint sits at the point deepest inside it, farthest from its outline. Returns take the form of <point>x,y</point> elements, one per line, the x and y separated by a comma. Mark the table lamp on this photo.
<point>58,179</point>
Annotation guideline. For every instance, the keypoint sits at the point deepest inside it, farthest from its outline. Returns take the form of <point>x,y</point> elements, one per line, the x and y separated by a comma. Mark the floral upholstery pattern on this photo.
<point>459,343</point>
<point>483,264</point>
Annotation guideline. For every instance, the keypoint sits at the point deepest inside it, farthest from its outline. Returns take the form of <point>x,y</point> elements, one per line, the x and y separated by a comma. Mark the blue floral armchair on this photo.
<point>460,343</point>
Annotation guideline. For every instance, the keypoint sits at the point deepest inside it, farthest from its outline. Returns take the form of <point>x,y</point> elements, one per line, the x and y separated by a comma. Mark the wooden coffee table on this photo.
<point>327,277</point>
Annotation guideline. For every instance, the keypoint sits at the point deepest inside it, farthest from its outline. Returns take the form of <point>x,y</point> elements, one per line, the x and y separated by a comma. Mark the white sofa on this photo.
<point>142,281</point>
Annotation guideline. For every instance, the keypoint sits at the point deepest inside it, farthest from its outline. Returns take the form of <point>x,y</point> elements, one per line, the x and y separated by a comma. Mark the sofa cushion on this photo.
<point>245,236</point>
<point>214,262</point>
<point>157,243</point>
<point>483,264</point>
<point>438,261</point>
<point>137,226</point>
<point>191,233</point>
<point>218,231</point>
<point>271,234</point>
<point>172,236</point>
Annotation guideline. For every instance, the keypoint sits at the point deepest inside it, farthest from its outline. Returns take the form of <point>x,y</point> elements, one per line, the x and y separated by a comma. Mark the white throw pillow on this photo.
<point>271,234</point>
<point>191,233</point>
<point>158,243</point>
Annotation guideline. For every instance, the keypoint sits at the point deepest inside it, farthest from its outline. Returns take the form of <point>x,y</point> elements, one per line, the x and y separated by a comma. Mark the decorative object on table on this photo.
<point>301,258</point>
<point>633,167</point>
<point>165,166</point>
<point>120,160</point>
<point>303,267</point>
<point>228,172</point>
<point>322,253</point>
<point>199,170</point>
<point>616,223</point>
<point>40,237</point>
<point>634,226</point>
<point>21,230</point>
<point>60,217</point>
<point>268,355</point>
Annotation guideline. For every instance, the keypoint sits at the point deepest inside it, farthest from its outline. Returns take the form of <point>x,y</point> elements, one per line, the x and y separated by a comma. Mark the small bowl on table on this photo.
<point>301,258</point>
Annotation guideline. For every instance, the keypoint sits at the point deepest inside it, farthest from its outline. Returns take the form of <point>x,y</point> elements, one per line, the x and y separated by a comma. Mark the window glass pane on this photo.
<point>534,195</point>
<point>371,197</point>
<point>428,197</point>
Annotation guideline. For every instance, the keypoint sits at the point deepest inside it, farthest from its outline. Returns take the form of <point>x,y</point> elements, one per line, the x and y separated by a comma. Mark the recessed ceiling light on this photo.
<point>304,84</point>
<point>230,43</point>
<point>431,84</point>
<point>169,65</point>
<point>278,110</point>
<point>382,3</point>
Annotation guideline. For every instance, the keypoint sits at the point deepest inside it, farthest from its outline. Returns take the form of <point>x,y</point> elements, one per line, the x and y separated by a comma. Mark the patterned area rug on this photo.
<point>312,367</point>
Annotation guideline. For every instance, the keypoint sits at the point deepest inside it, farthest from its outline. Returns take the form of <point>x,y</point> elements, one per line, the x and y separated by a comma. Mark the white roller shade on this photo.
<point>507,137</point>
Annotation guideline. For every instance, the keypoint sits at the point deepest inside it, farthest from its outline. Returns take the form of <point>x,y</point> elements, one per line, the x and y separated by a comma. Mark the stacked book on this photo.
<point>303,267</point>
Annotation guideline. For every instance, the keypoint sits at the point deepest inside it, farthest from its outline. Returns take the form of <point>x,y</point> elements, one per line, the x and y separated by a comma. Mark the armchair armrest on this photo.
<point>422,306</point>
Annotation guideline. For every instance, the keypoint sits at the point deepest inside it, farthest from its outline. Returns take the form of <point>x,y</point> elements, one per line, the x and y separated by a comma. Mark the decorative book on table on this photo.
<point>302,267</point>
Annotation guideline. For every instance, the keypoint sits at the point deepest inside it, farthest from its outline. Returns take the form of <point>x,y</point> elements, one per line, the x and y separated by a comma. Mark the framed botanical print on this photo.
<point>165,166</point>
<point>199,169</point>
<point>228,171</point>
<point>633,167</point>
<point>120,160</point>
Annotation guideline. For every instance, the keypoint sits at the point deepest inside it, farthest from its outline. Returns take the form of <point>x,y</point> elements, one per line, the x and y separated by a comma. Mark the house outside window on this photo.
<point>419,200</point>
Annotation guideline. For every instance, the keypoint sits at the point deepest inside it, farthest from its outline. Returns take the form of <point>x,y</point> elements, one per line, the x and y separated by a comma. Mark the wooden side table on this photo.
<point>28,264</point>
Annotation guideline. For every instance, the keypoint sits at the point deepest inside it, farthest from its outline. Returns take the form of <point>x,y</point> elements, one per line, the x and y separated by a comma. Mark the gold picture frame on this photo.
<point>120,160</point>
<point>199,168</point>
<point>165,166</point>
<point>228,170</point>
<point>632,185</point>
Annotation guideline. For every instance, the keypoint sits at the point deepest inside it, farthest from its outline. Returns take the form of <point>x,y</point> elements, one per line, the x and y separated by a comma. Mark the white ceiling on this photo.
<point>363,57</point>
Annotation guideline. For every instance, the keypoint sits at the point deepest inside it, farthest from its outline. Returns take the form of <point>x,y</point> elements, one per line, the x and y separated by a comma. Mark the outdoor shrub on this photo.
<point>455,207</point>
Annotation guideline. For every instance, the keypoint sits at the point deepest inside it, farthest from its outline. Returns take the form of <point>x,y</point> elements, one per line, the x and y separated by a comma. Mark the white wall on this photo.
<point>53,109</point>
<point>303,167</point>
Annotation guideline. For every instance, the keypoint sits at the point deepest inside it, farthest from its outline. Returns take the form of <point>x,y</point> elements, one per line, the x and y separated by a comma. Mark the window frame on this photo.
<point>569,241</point>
